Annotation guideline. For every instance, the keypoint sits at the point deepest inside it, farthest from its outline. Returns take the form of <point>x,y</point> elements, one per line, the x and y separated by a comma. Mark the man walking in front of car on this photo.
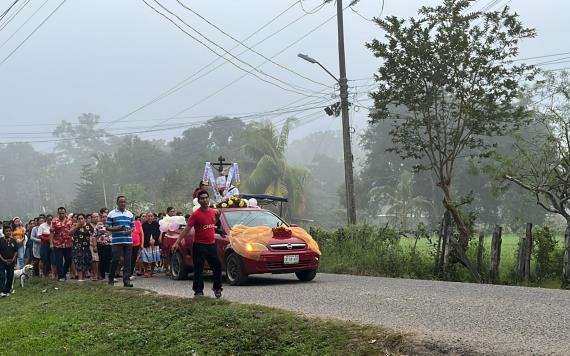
<point>203,220</point>
<point>120,223</point>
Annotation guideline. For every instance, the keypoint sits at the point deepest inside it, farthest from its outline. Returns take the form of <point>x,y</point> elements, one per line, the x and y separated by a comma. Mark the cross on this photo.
<point>221,164</point>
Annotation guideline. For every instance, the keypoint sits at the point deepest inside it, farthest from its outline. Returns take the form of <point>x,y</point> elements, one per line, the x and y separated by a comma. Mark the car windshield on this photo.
<point>252,218</point>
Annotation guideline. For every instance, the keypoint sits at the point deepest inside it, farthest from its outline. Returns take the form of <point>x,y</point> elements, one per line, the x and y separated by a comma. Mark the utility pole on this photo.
<point>347,148</point>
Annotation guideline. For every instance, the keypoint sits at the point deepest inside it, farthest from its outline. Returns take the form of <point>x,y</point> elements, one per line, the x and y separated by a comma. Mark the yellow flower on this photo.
<point>241,204</point>
<point>230,203</point>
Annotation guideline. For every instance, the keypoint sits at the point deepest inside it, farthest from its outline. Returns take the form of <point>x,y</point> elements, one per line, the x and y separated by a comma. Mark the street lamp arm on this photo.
<point>314,61</point>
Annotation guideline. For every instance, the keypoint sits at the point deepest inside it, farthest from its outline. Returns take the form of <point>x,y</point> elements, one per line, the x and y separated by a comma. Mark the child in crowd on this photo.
<point>151,252</point>
<point>8,254</point>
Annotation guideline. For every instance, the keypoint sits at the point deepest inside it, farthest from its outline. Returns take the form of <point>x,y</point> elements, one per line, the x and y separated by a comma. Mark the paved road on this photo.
<point>460,318</point>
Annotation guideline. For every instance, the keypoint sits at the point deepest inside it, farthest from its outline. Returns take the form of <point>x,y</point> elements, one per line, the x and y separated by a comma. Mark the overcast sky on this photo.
<point>109,57</point>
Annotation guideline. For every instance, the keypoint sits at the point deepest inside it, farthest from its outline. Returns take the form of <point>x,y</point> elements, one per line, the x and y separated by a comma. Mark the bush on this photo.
<point>371,250</point>
<point>548,263</point>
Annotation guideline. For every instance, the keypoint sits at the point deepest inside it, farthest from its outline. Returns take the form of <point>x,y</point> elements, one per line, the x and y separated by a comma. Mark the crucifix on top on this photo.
<point>221,163</point>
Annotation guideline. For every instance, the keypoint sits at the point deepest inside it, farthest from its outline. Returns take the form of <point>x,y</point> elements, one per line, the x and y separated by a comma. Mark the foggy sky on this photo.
<point>109,57</point>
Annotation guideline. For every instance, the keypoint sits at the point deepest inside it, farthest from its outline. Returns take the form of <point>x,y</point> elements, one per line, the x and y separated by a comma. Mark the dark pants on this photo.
<point>134,258</point>
<point>62,261</point>
<point>105,256</point>
<point>46,255</point>
<point>201,253</point>
<point>124,250</point>
<point>6,277</point>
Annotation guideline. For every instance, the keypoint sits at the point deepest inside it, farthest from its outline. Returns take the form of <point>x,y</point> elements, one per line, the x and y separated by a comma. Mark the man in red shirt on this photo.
<point>61,242</point>
<point>203,221</point>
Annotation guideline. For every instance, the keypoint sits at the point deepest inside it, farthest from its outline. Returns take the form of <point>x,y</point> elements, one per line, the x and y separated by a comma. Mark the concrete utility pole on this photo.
<point>347,148</point>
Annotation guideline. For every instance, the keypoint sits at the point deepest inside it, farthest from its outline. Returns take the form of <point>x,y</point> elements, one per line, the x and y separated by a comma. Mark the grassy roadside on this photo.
<point>382,251</point>
<point>93,319</point>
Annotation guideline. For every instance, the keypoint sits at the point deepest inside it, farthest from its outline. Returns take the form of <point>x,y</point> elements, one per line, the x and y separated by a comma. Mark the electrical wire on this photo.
<point>151,129</point>
<point>258,76</point>
<point>244,75</point>
<point>246,46</point>
<point>192,78</point>
<point>364,17</point>
<point>32,33</point>
<point>7,22</point>
<point>313,11</point>
<point>8,9</point>
<point>23,24</point>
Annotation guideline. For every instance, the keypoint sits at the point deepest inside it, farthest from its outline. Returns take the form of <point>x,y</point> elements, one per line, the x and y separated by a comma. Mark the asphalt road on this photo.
<point>458,318</point>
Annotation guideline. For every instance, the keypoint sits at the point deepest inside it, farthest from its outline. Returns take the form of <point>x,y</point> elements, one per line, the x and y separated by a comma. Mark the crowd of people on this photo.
<point>106,245</point>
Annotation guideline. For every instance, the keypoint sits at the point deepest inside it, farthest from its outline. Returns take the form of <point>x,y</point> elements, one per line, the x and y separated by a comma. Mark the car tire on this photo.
<point>178,267</point>
<point>235,271</point>
<point>306,276</point>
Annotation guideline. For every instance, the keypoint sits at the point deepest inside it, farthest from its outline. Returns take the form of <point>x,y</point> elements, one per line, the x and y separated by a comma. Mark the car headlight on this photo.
<point>255,247</point>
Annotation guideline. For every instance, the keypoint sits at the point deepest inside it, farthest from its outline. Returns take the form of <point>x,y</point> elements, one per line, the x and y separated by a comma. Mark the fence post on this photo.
<point>525,251</point>
<point>495,254</point>
<point>566,266</point>
<point>480,251</point>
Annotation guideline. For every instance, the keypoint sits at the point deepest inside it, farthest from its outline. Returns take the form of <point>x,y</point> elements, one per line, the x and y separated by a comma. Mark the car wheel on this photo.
<point>235,271</point>
<point>306,276</point>
<point>179,270</point>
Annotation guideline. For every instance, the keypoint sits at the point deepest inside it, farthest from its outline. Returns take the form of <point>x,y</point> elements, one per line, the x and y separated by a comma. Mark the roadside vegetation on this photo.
<point>92,319</point>
<point>387,251</point>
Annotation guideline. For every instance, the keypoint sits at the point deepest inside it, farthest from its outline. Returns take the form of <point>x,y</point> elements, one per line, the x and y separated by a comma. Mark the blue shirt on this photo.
<point>118,218</point>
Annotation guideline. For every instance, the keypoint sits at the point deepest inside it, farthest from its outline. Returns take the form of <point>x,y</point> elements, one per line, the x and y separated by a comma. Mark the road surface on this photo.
<point>458,318</point>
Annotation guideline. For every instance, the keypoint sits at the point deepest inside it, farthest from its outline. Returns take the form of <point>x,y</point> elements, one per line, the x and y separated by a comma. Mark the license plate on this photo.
<point>291,259</point>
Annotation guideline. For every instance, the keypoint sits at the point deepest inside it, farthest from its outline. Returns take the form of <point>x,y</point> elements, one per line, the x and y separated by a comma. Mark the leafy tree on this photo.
<point>542,162</point>
<point>450,72</point>
<point>81,140</point>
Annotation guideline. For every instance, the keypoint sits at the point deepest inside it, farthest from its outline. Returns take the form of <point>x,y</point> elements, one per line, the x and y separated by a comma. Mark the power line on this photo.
<point>287,109</point>
<point>246,46</point>
<point>313,11</point>
<point>188,80</point>
<point>244,75</point>
<point>364,17</point>
<point>8,9</point>
<point>151,129</point>
<point>294,90</point>
<point>14,15</point>
<point>34,31</point>
<point>24,23</point>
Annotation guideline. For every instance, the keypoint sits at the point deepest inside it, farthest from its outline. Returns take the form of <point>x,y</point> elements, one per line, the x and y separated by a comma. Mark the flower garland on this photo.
<point>233,202</point>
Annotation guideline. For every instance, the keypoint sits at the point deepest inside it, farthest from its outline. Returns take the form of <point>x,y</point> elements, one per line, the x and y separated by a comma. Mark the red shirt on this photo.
<point>204,223</point>
<point>60,229</point>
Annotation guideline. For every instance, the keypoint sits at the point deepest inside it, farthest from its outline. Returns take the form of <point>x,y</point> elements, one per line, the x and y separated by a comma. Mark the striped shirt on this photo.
<point>121,218</point>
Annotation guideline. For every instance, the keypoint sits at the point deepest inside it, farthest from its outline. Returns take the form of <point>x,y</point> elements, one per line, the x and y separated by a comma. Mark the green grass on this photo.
<point>381,251</point>
<point>93,319</point>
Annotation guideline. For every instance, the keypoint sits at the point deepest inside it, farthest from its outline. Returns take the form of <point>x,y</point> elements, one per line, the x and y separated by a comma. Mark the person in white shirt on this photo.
<point>47,262</point>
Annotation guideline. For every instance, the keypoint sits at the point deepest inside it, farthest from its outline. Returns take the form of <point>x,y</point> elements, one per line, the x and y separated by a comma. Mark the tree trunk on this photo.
<point>462,228</point>
<point>495,254</point>
<point>566,267</point>
<point>437,265</point>
<point>480,251</point>
<point>525,251</point>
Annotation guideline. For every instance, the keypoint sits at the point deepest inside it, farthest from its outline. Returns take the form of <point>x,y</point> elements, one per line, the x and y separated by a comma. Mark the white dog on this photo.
<point>22,274</point>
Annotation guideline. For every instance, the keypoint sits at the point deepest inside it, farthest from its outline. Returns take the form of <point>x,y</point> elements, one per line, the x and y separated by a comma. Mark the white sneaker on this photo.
<point>132,278</point>
<point>7,294</point>
<point>2,295</point>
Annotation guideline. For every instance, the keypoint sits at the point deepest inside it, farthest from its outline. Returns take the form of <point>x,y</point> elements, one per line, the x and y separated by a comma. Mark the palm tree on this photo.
<point>269,172</point>
<point>401,201</point>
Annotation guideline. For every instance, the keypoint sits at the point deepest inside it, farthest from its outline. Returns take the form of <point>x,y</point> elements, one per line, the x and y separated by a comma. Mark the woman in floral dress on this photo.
<point>82,233</point>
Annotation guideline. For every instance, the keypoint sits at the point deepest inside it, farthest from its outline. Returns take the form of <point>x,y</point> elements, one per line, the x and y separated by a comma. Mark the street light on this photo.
<point>314,61</point>
<point>347,148</point>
